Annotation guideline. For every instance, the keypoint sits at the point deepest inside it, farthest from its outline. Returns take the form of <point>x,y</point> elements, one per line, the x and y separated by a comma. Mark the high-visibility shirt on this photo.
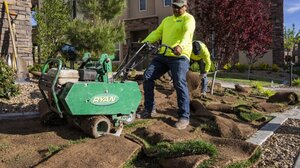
<point>175,31</point>
<point>204,54</point>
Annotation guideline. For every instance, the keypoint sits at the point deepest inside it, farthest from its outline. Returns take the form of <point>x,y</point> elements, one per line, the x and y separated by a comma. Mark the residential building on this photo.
<point>143,16</point>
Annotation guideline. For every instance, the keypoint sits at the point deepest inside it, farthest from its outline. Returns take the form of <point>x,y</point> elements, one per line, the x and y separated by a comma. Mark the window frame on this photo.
<point>142,10</point>
<point>118,47</point>
<point>167,5</point>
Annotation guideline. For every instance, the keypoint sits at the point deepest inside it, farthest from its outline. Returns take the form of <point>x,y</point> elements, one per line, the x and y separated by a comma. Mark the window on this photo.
<point>167,3</point>
<point>117,52</point>
<point>143,5</point>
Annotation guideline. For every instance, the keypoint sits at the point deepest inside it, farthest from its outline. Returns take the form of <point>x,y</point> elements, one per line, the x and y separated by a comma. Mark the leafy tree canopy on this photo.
<point>238,25</point>
<point>291,38</point>
<point>104,9</point>
<point>53,20</point>
<point>99,30</point>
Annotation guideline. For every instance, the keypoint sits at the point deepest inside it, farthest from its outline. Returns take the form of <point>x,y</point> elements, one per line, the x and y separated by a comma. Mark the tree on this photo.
<point>291,39</point>
<point>99,30</point>
<point>53,20</point>
<point>237,25</point>
<point>257,36</point>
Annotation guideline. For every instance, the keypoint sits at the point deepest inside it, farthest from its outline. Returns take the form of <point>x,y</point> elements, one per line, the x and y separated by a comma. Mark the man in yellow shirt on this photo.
<point>201,55</point>
<point>177,32</point>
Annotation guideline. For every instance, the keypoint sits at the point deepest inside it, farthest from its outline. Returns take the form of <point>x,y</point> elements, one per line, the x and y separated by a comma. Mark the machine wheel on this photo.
<point>96,126</point>
<point>131,118</point>
<point>48,117</point>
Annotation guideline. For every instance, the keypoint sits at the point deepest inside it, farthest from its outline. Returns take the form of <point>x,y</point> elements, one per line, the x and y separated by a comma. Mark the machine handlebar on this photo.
<point>137,58</point>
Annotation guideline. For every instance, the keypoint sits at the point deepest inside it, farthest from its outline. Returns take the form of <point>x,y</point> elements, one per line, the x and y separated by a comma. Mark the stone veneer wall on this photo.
<point>148,23</point>
<point>23,29</point>
<point>277,19</point>
<point>136,24</point>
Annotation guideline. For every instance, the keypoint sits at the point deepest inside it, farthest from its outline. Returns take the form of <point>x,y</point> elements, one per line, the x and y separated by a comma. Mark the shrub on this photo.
<point>241,67</point>
<point>268,93</point>
<point>7,86</point>
<point>263,66</point>
<point>262,91</point>
<point>195,67</point>
<point>35,67</point>
<point>296,82</point>
<point>53,20</point>
<point>228,67</point>
<point>275,68</point>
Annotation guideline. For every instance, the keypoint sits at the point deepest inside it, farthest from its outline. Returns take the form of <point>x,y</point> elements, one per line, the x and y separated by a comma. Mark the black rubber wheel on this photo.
<point>96,126</point>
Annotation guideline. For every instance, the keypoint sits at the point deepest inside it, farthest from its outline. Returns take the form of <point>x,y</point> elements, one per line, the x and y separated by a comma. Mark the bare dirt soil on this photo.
<point>221,119</point>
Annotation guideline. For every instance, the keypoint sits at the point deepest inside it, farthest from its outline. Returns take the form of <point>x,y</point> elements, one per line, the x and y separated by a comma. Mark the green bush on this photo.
<point>296,82</point>
<point>241,67</point>
<point>7,86</point>
<point>268,93</point>
<point>195,67</point>
<point>262,91</point>
<point>228,67</point>
<point>53,19</point>
<point>275,68</point>
<point>263,67</point>
<point>35,67</point>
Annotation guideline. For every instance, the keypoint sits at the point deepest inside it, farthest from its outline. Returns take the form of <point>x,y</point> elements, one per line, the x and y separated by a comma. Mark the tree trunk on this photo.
<point>249,70</point>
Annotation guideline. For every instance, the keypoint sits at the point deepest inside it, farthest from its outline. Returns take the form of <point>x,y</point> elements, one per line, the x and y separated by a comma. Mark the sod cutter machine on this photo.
<point>91,98</point>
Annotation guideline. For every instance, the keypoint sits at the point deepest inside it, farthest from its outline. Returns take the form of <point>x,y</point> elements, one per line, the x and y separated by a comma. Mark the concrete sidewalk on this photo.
<point>275,88</point>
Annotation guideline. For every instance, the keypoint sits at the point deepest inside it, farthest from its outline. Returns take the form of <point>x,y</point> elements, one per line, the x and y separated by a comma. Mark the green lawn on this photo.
<point>242,79</point>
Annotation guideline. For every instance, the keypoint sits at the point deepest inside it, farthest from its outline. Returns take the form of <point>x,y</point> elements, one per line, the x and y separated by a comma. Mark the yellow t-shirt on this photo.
<point>175,31</point>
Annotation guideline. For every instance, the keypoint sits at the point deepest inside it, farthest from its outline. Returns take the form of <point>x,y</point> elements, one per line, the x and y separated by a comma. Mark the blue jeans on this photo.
<point>178,67</point>
<point>204,80</point>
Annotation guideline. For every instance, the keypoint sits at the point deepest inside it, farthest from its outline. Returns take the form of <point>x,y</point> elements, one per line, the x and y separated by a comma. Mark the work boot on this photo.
<point>146,114</point>
<point>182,123</point>
<point>203,94</point>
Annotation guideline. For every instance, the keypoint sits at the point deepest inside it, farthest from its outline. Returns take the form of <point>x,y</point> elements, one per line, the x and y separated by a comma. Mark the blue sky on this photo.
<point>292,13</point>
<point>33,22</point>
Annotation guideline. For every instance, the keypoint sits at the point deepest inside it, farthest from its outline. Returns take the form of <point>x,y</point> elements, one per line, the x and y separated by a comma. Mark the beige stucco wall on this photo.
<point>134,11</point>
<point>161,10</point>
<point>154,8</point>
<point>266,59</point>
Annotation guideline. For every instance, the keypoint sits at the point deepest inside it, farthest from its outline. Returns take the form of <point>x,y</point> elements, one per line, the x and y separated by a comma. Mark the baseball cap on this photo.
<point>179,3</point>
<point>196,47</point>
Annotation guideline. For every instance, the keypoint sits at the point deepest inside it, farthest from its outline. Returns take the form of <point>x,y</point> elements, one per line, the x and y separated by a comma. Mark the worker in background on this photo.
<point>201,55</point>
<point>177,32</point>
